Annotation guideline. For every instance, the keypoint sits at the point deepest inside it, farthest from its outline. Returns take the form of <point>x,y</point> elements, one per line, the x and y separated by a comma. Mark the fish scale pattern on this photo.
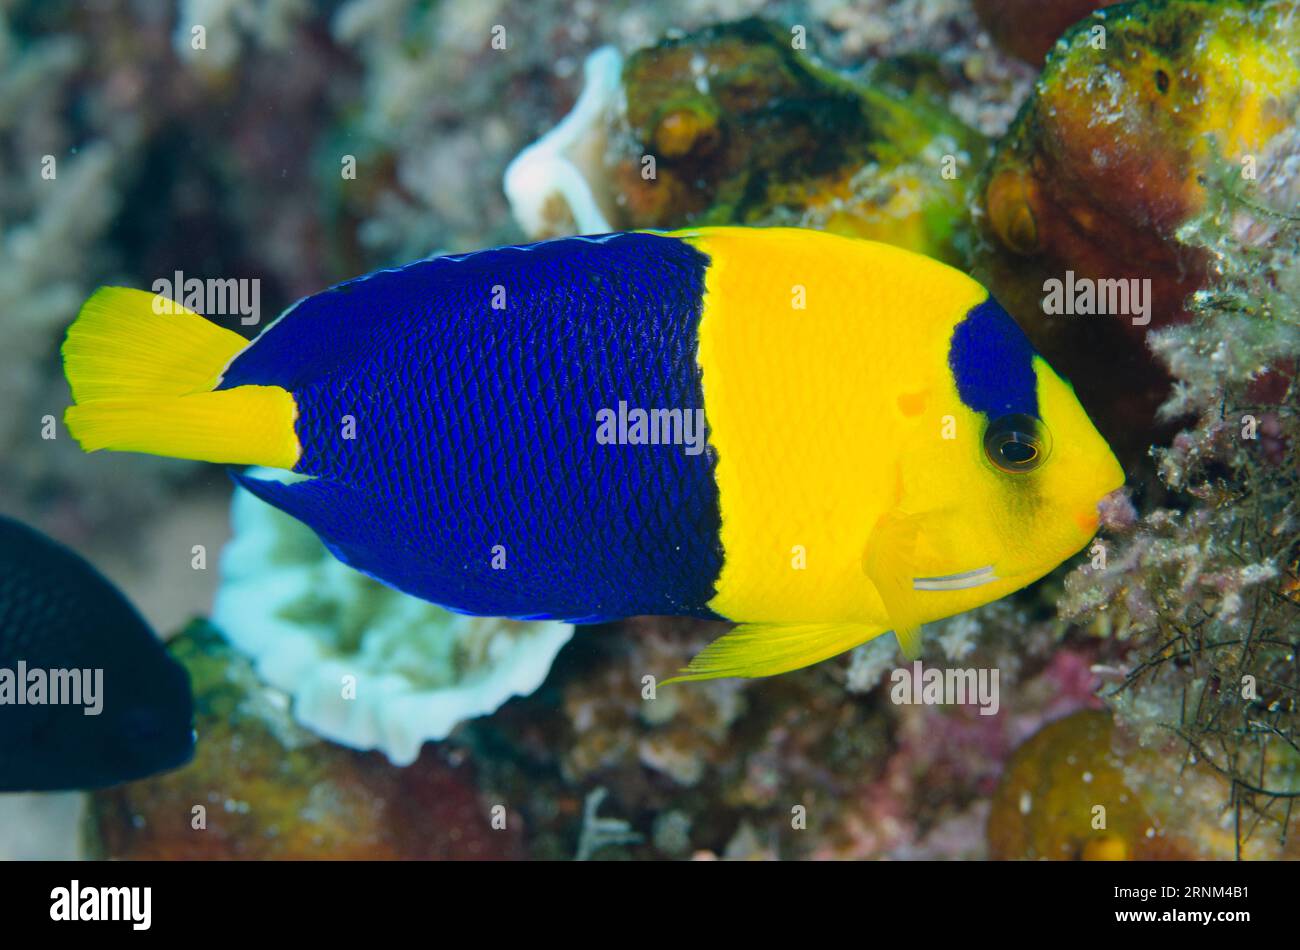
<point>475,428</point>
<point>58,613</point>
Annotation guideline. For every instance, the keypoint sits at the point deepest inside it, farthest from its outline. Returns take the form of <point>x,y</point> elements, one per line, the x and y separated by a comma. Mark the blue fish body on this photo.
<point>475,479</point>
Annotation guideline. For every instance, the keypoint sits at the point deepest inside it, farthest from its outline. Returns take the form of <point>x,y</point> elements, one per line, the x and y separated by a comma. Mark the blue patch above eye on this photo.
<point>992,363</point>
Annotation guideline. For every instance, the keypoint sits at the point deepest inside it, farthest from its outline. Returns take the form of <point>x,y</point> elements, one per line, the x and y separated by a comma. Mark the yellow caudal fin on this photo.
<point>762,649</point>
<point>120,345</point>
<point>143,380</point>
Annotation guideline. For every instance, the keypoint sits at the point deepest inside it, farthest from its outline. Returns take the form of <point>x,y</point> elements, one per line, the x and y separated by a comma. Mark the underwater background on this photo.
<point>298,144</point>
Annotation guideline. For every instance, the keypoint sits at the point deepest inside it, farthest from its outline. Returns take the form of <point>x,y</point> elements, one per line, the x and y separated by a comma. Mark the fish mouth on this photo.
<point>963,580</point>
<point>1112,511</point>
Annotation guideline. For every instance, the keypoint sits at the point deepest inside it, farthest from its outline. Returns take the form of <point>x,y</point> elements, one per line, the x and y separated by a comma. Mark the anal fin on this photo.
<point>765,649</point>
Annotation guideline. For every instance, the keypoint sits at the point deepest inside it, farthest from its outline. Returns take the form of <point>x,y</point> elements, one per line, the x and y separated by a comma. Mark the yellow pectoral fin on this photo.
<point>765,649</point>
<point>887,562</point>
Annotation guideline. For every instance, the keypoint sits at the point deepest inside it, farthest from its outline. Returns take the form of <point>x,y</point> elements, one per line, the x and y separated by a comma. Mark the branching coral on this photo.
<point>228,24</point>
<point>54,208</point>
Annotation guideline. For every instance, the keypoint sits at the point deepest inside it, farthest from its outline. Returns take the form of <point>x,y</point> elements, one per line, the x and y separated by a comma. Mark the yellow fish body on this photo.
<point>860,492</point>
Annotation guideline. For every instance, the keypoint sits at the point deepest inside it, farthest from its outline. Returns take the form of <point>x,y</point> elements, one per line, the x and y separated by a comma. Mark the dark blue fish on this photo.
<point>88,696</point>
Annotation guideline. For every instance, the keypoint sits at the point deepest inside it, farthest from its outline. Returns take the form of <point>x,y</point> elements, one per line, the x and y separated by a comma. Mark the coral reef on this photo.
<point>600,832</point>
<point>1080,789</point>
<point>1164,664</point>
<point>262,787</point>
<point>735,125</point>
<point>1029,28</point>
<point>1192,596</point>
<point>229,25</point>
<point>1064,797</point>
<point>1202,590</point>
<point>54,213</point>
<point>1137,107</point>
<point>746,129</point>
<point>811,764</point>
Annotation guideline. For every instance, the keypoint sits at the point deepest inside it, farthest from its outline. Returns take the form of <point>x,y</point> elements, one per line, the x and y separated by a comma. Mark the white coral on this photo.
<point>554,184</point>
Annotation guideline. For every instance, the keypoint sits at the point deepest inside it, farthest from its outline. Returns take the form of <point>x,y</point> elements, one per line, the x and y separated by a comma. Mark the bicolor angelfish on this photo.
<point>884,446</point>
<point>89,697</point>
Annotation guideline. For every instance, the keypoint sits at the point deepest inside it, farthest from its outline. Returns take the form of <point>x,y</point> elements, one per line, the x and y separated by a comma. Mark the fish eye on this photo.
<point>1017,443</point>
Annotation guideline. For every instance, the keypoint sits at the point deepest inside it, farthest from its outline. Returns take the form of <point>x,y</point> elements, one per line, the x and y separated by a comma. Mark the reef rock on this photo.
<point>1027,29</point>
<point>735,124</point>
<point>1138,110</point>
<point>1081,789</point>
